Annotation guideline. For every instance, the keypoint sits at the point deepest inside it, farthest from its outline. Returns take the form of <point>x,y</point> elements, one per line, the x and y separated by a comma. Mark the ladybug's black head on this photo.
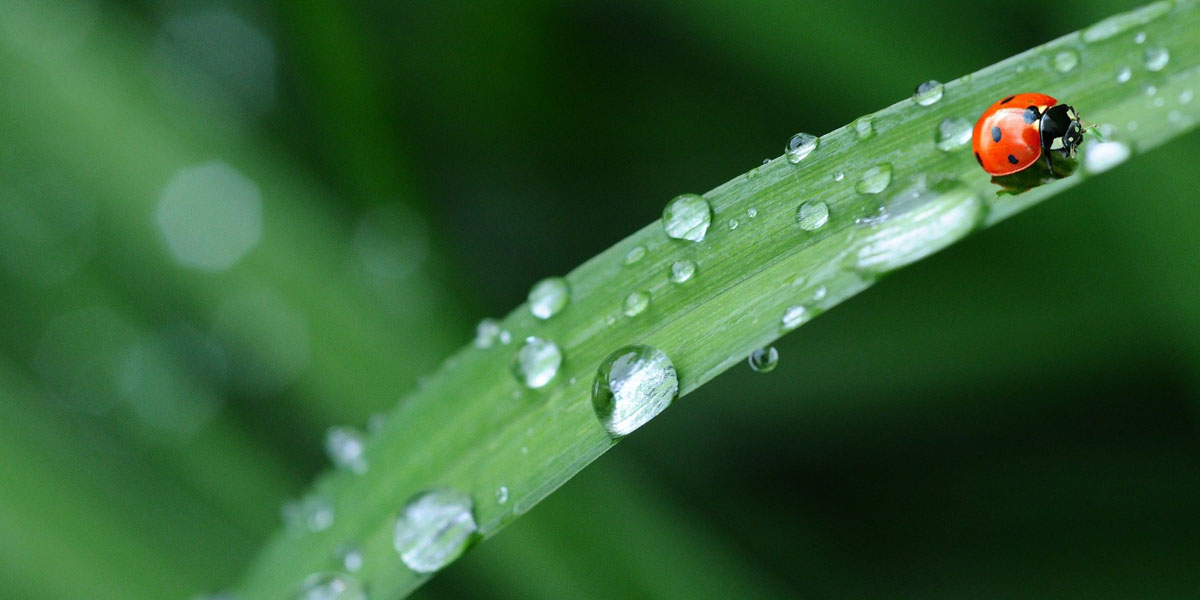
<point>1061,130</point>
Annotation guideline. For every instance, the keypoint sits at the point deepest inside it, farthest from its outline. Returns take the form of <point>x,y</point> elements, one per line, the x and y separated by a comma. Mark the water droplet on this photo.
<point>548,297</point>
<point>1150,90</point>
<point>1157,58</point>
<point>1159,102</point>
<point>820,293</point>
<point>435,527</point>
<point>1066,60</point>
<point>1186,96</point>
<point>751,212</point>
<point>929,92</point>
<point>1102,30</point>
<point>505,337</point>
<point>635,254</point>
<point>632,386</point>
<point>764,360</point>
<point>502,494</point>
<point>795,316</point>
<point>875,180</point>
<point>1140,38</point>
<point>486,333</point>
<point>351,558</point>
<point>210,216</point>
<point>864,126</point>
<point>313,513</point>
<point>839,176</point>
<point>733,224</point>
<point>953,133</point>
<point>924,220</point>
<point>800,146</point>
<point>636,303</point>
<point>687,217</point>
<point>1102,156</point>
<point>610,320</point>
<point>346,449</point>
<point>331,586</point>
<point>682,270</point>
<point>537,362</point>
<point>1124,74</point>
<point>766,161</point>
<point>812,216</point>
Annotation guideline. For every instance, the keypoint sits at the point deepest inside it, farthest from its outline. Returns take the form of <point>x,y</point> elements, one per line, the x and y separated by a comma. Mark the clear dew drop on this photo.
<point>1186,96</point>
<point>795,316</point>
<point>820,293</point>
<point>1157,58</point>
<point>1140,38</point>
<point>537,362</point>
<point>346,449</point>
<point>351,558</point>
<point>813,215</point>
<point>763,360</point>
<point>1066,60</point>
<point>953,133</point>
<point>505,337</point>
<point>435,527</point>
<point>502,494</point>
<point>635,254</point>
<point>548,297</point>
<point>1102,156</point>
<point>839,176</point>
<point>733,224</point>
<point>636,303</point>
<point>331,586</point>
<point>875,180</point>
<point>486,333</point>
<point>800,146</point>
<point>864,127</point>
<point>929,92</point>
<point>929,220</point>
<point>632,386</point>
<point>687,217</point>
<point>682,270</point>
<point>313,513</point>
<point>751,212</point>
<point>1124,74</point>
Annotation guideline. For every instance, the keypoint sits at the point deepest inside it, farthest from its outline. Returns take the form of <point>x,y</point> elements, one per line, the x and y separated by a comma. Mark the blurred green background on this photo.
<point>227,226</point>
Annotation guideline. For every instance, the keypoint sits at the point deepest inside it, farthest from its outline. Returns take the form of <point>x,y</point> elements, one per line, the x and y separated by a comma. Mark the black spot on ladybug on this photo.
<point>979,159</point>
<point>1012,159</point>
<point>995,134</point>
<point>1007,100</point>
<point>1031,114</point>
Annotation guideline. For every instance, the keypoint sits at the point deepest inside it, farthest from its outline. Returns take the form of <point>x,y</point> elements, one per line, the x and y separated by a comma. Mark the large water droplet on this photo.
<point>435,527</point>
<point>548,297</point>
<point>331,586</point>
<point>687,217</point>
<point>636,303</point>
<point>632,386</point>
<point>1157,58</point>
<point>813,215</point>
<point>1102,156</point>
<point>682,270</point>
<point>346,449</point>
<point>537,362</point>
<point>486,333</point>
<point>928,220</point>
<point>875,180</point>
<point>635,254</point>
<point>764,360</point>
<point>929,92</point>
<point>1066,60</point>
<point>864,127</point>
<point>795,316</point>
<point>1124,74</point>
<point>953,133</point>
<point>800,146</point>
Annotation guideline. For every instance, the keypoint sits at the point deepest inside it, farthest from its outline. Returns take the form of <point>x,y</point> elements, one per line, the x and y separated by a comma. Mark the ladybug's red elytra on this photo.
<point>1015,132</point>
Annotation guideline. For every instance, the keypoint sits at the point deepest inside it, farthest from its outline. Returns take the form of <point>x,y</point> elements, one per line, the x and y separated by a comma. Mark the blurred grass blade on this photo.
<point>897,186</point>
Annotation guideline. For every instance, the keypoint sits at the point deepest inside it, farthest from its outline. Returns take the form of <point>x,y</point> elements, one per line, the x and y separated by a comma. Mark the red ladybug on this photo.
<point>1015,132</point>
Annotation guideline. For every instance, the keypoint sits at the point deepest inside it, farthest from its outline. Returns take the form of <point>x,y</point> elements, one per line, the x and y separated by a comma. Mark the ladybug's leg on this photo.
<point>1049,161</point>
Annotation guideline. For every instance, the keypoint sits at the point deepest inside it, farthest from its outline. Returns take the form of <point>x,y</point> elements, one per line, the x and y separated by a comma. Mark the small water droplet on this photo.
<point>800,146</point>
<point>1102,156</point>
<point>537,362</point>
<point>1159,102</point>
<point>346,449</point>
<point>313,513</point>
<point>636,303</point>
<point>795,316</point>
<point>820,293</point>
<point>610,320</point>
<point>812,216</point>
<point>486,333</point>
<point>1124,74</point>
<point>929,92</point>
<point>502,494</point>
<point>839,176</point>
<point>1186,96</point>
<point>505,337</point>
<point>635,254</point>
<point>923,220</point>
<point>764,360</point>
<point>1157,58</point>
<point>1140,38</point>
<point>864,126</point>
<point>548,297</point>
<point>351,558</point>
<point>1066,60</point>
<point>687,217</point>
<point>331,586</point>
<point>733,224</point>
<point>1150,90</point>
<point>632,386</point>
<point>1102,30</point>
<point>1176,118</point>
<point>435,527</point>
<point>875,180</point>
<point>682,270</point>
<point>766,161</point>
<point>752,212</point>
<point>953,133</point>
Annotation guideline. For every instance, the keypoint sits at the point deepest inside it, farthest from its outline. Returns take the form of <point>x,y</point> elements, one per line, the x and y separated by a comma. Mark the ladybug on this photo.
<point>1015,132</point>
